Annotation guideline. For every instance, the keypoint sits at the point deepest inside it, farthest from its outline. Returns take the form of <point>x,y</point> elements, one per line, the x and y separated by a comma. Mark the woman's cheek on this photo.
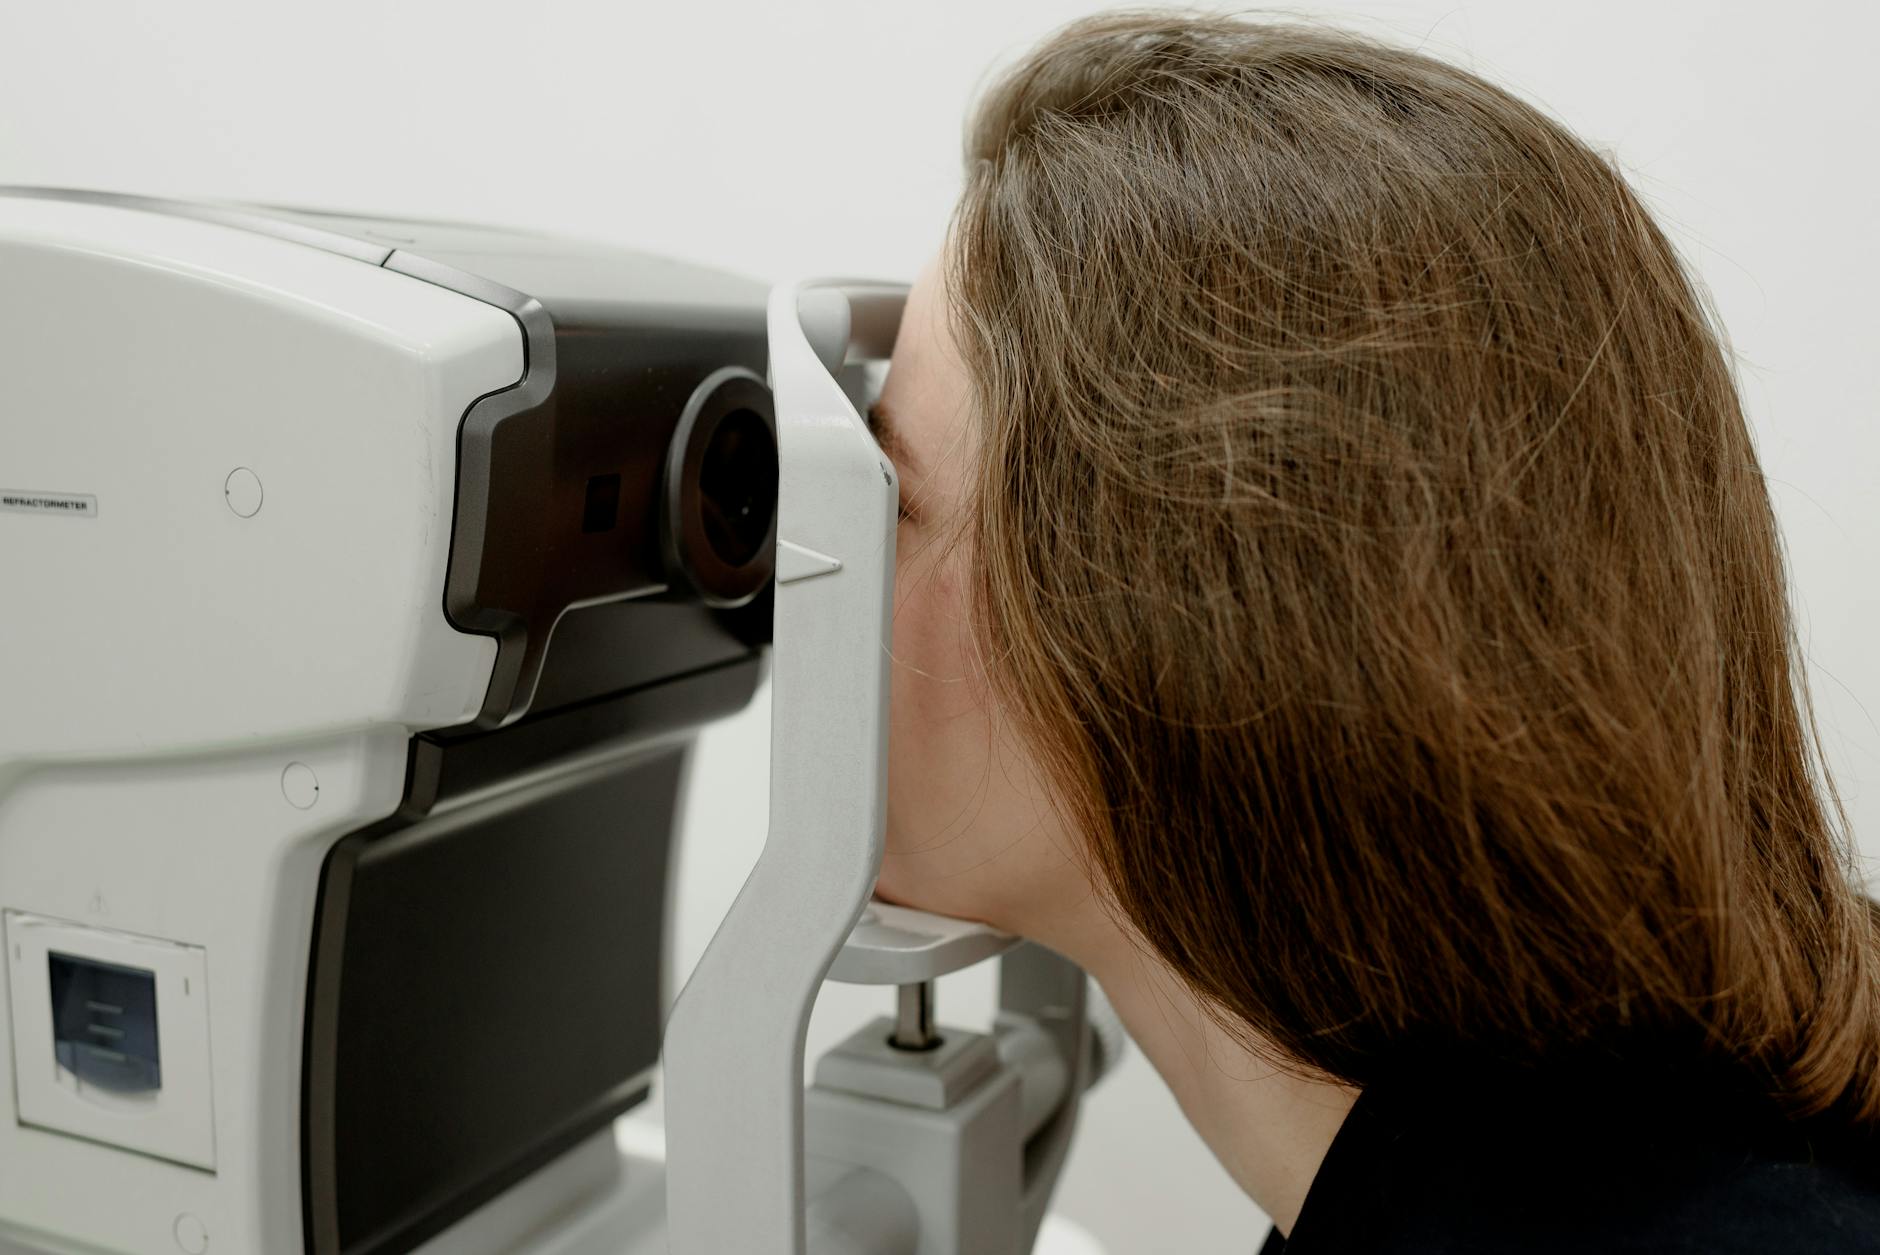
<point>930,749</point>
<point>969,833</point>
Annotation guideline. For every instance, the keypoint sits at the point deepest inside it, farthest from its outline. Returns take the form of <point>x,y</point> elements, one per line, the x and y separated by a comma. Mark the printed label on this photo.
<point>78,505</point>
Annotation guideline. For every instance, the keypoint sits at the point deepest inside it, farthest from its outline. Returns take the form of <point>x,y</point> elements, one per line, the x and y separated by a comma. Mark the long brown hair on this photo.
<point>1370,540</point>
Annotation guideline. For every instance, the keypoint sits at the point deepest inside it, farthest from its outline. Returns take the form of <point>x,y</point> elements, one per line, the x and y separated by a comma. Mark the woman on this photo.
<point>1340,608</point>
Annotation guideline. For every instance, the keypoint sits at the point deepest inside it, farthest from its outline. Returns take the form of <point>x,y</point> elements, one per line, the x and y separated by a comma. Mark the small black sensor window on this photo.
<point>602,510</point>
<point>104,1024</point>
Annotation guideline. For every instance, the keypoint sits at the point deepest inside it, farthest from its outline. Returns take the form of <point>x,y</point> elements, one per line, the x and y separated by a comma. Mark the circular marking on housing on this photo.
<point>242,490</point>
<point>192,1236</point>
<point>300,786</point>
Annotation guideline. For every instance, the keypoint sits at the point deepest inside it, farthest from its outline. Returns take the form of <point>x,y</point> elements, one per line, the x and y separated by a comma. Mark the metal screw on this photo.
<point>913,1018</point>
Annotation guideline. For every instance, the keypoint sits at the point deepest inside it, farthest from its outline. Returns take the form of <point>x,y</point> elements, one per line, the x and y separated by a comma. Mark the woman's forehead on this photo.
<point>924,401</point>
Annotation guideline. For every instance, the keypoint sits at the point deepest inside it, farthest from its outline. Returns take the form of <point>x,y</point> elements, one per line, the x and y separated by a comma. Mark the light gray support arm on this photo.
<point>734,1045</point>
<point>1049,990</point>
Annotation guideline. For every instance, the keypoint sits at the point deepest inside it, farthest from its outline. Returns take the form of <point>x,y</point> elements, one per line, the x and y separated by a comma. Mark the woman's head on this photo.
<point>1337,552</point>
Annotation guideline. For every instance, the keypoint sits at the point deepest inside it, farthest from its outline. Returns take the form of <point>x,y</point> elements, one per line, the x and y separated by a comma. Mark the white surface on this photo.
<point>897,945</point>
<point>823,136</point>
<point>168,622</point>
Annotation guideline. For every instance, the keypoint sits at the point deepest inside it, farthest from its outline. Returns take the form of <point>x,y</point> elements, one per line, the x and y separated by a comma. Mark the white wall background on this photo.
<point>777,137</point>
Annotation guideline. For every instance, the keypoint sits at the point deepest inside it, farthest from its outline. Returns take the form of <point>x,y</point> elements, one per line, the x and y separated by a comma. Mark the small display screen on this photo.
<point>104,1024</point>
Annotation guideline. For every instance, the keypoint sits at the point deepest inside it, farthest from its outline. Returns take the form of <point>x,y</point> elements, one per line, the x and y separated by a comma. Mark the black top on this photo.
<point>1504,1160</point>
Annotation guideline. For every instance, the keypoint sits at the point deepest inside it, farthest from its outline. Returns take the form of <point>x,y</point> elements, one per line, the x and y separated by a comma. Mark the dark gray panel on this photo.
<point>484,991</point>
<point>605,387</point>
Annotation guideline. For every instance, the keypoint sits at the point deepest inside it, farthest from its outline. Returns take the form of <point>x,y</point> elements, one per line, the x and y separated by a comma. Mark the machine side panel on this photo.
<point>267,433</point>
<point>207,852</point>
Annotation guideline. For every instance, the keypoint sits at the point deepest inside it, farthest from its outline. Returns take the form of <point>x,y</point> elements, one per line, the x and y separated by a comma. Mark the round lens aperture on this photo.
<point>718,521</point>
<point>738,487</point>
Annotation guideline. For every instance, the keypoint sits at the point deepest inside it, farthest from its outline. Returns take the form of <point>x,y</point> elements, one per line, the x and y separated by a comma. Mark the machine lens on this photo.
<point>738,487</point>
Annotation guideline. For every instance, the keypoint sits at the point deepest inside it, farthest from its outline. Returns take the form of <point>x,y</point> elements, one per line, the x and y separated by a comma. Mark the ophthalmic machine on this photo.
<point>364,584</point>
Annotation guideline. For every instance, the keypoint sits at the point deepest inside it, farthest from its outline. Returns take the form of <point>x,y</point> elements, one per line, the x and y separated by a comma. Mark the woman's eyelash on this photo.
<point>873,422</point>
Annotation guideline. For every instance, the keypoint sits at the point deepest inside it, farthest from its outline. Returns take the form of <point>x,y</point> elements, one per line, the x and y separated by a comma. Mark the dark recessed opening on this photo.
<point>104,1024</point>
<point>738,487</point>
<point>602,510</point>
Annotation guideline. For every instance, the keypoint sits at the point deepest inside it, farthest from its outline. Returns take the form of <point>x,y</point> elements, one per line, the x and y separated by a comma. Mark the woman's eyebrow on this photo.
<point>887,432</point>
